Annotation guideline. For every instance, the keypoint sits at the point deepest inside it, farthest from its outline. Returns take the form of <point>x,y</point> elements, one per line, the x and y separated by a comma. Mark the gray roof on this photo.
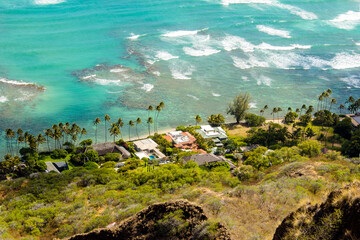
<point>203,159</point>
<point>104,148</point>
<point>60,164</point>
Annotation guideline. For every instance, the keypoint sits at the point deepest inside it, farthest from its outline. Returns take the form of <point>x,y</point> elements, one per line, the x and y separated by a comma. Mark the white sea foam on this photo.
<point>165,56</point>
<point>345,60</point>
<point>251,62</point>
<point>348,20</point>
<point>253,105</point>
<point>134,36</point>
<point>273,31</point>
<point>181,70</point>
<point>263,80</point>
<point>179,33</point>
<point>102,81</point>
<point>90,76</point>
<point>192,96</point>
<point>116,70</point>
<point>3,99</point>
<point>234,42</point>
<point>157,73</point>
<point>357,43</point>
<point>14,82</point>
<point>267,46</point>
<point>147,87</point>
<point>292,9</point>
<point>353,81</point>
<point>216,94</point>
<point>48,2</point>
<point>114,92</point>
<point>244,78</point>
<point>200,52</point>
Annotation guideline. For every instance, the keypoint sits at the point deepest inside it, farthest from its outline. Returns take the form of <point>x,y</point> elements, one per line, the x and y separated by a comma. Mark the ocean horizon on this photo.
<point>75,60</point>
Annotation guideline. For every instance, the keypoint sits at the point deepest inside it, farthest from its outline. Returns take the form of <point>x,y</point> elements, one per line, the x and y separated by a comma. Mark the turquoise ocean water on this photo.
<point>117,57</point>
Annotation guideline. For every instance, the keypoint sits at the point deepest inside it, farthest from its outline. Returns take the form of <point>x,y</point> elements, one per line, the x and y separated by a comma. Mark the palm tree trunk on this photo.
<point>137,131</point>
<point>105,133</point>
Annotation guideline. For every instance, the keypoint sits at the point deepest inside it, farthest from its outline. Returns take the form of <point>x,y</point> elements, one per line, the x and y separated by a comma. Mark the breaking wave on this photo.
<point>48,2</point>
<point>273,31</point>
<point>200,52</point>
<point>353,81</point>
<point>348,20</point>
<point>147,87</point>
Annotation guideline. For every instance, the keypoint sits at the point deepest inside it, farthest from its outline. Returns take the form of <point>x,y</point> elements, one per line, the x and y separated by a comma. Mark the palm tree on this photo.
<point>114,130</point>
<point>289,109</point>
<point>107,119</point>
<point>149,121</point>
<point>273,113</point>
<point>333,101</point>
<point>303,107</point>
<point>96,122</point>
<point>19,134</point>
<point>351,99</point>
<point>309,110</point>
<point>131,124</point>
<point>158,110</point>
<point>40,139</point>
<point>261,112</point>
<point>120,124</point>
<point>198,119</point>
<point>57,136</point>
<point>341,107</point>
<point>67,130</point>
<point>149,109</point>
<point>83,132</point>
<point>298,111</point>
<point>279,109</point>
<point>10,134</point>
<point>48,134</point>
<point>138,121</point>
<point>320,99</point>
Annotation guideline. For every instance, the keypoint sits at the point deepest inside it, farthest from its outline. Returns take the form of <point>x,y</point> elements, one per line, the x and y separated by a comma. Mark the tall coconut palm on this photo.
<point>57,136</point>
<point>341,107</point>
<point>67,130</point>
<point>61,128</point>
<point>114,130</point>
<point>298,111</point>
<point>120,124</point>
<point>131,124</point>
<point>261,112</point>
<point>107,119</point>
<point>279,109</point>
<point>149,109</point>
<point>138,121</point>
<point>333,101</point>
<point>303,107</point>
<point>48,134</point>
<point>40,139</point>
<point>82,133</point>
<point>310,110</point>
<point>289,109</point>
<point>96,122</point>
<point>20,140</point>
<point>9,136</point>
<point>158,110</point>
<point>198,119</point>
<point>19,133</point>
<point>273,113</point>
<point>149,121</point>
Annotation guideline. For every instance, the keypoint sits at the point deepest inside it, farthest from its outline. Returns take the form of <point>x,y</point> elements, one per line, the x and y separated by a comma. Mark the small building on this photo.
<point>249,148</point>
<point>105,148</point>
<point>147,148</point>
<point>182,140</point>
<point>204,159</point>
<point>208,132</point>
<point>355,119</point>
<point>119,165</point>
<point>61,166</point>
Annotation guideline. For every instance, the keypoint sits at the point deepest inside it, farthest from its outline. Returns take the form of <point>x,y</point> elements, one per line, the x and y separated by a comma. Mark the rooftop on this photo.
<point>104,148</point>
<point>208,131</point>
<point>203,159</point>
<point>145,144</point>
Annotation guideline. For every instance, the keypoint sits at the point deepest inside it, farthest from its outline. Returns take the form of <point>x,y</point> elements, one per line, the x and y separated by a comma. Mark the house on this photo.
<point>56,166</point>
<point>204,159</point>
<point>355,119</point>
<point>104,148</point>
<point>61,166</point>
<point>147,148</point>
<point>249,148</point>
<point>119,165</point>
<point>182,140</point>
<point>209,132</point>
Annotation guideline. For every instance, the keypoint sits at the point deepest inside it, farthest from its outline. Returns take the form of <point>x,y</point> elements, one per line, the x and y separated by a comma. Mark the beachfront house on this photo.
<point>217,134</point>
<point>147,148</point>
<point>205,159</point>
<point>104,148</point>
<point>182,140</point>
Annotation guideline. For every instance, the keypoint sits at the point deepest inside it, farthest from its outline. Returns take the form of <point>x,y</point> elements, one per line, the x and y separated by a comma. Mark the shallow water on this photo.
<point>95,57</point>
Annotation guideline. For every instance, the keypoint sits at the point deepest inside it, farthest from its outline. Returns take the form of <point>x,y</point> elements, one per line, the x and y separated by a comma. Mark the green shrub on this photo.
<point>254,120</point>
<point>114,157</point>
<point>91,165</point>
<point>109,164</point>
<point>310,148</point>
<point>59,153</point>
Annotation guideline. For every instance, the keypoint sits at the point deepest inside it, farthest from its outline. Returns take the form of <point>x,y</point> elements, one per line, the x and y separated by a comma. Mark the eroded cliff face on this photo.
<point>337,218</point>
<point>169,220</point>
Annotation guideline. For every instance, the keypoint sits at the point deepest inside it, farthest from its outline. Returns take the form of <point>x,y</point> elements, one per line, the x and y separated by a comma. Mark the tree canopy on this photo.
<point>239,106</point>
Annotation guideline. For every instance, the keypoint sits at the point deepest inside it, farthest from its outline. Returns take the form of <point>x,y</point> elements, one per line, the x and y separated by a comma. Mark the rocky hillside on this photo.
<point>337,218</point>
<point>169,220</point>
